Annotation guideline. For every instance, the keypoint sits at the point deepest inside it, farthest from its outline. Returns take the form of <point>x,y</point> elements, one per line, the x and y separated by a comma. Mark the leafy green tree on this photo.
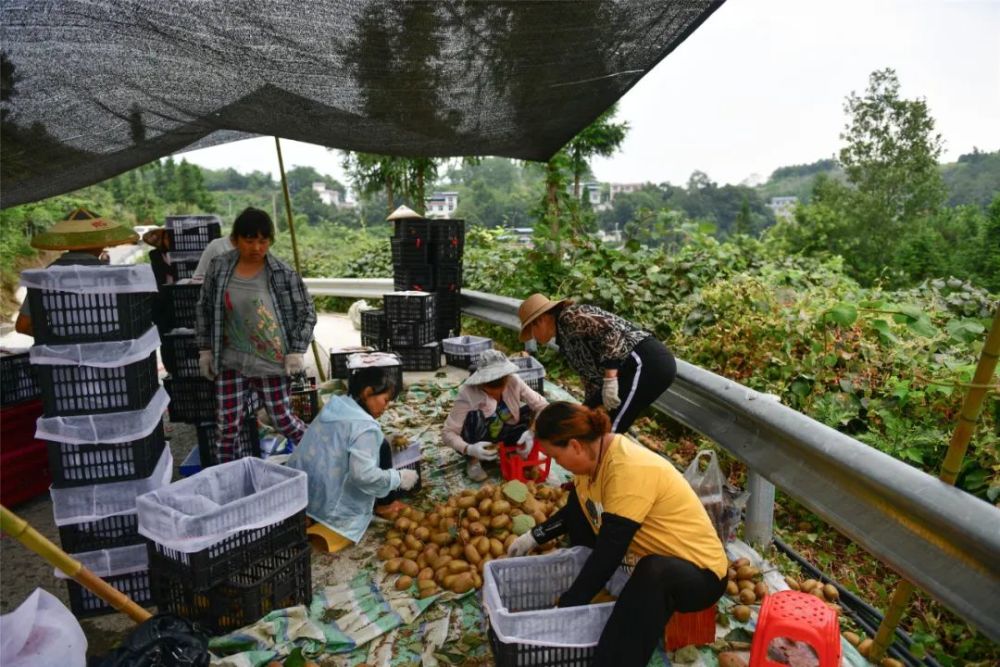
<point>371,173</point>
<point>600,138</point>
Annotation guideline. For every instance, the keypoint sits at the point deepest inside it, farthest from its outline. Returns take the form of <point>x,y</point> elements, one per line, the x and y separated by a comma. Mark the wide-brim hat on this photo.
<point>534,307</point>
<point>492,365</point>
<point>404,213</point>
<point>83,230</point>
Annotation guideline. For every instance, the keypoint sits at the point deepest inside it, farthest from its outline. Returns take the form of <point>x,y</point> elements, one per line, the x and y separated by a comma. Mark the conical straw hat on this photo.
<point>404,213</point>
<point>82,230</point>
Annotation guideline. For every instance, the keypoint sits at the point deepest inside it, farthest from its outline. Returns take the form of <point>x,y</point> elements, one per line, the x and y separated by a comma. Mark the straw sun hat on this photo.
<point>83,230</point>
<point>534,307</point>
<point>492,365</point>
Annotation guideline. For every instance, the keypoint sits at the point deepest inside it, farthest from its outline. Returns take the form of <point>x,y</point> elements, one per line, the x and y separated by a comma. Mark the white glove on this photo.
<point>295,363</point>
<point>484,451</point>
<point>408,479</point>
<point>522,545</point>
<point>609,394</point>
<point>525,444</point>
<point>205,364</point>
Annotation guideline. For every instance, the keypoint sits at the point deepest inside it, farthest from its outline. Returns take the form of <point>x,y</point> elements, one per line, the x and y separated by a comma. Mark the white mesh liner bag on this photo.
<point>362,360</point>
<point>100,355</point>
<point>100,279</point>
<point>186,256</point>
<point>520,596</point>
<point>182,222</point>
<point>195,513</point>
<point>111,562</point>
<point>112,427</point>
<point>99,501</point>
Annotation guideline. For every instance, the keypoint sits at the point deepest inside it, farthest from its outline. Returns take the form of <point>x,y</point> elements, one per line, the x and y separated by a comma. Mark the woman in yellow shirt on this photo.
<point>634,509</point>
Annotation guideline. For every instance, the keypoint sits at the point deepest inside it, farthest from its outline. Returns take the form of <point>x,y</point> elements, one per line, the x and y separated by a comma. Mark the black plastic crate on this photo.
<point>118,530</point>
<point>412,251</point>
<point>83,465</point>
<point>17,379</point>
<point>280,579</point>
<point>448,230</point>
<point>180,354</point>
<point>338,359</point>
<point>423,358</point>
<point>247,443</point>
<point>410,334</point>
<point>78,390</point>
<point>182,269</point>
<point>193,239</point>
<point>411,229</point>
<point>448,278</point>
<point>395,375</point>
<point>192,400</point>
<point>412,278</point>
<point>213,565</point>
<point>85,604</point>
<point>373,331</point>
<point>515,655</point>
<point>180,305</point>
<point>446,252</point>
<point>304,397</point>
<point>68,317</point>
<point>408,307</point>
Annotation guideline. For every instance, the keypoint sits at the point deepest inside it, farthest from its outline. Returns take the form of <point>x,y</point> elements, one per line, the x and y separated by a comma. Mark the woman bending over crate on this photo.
<point>494,405</point>
<point>622,367</point>
<point>349,461</point>
<point>255,321</point>
<point>635,510</point>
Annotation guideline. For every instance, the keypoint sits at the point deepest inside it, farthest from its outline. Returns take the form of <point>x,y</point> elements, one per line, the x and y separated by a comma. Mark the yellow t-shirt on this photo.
<point>637,484</point>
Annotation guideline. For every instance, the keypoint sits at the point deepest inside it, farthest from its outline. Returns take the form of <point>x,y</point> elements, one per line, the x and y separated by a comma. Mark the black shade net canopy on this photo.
<point>92,88</point>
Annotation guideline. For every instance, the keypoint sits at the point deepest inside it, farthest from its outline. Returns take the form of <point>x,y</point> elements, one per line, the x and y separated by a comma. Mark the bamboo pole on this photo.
<point>967,418</point>
<point>19,529</point>
<point>295,246</point>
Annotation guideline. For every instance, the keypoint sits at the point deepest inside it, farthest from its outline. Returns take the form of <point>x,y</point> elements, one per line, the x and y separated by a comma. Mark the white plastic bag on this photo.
<point>723,503</point>
<point>42,631</point>
<point>354,313</point>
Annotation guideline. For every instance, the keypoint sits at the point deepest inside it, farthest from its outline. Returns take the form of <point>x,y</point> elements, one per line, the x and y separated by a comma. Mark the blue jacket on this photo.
<point>339,453</point>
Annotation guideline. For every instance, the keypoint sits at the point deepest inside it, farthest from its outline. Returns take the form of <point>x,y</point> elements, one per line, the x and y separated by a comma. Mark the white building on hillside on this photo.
<point>623,188</point>
<point>326,195</point>
<point>783,207</point>
<point>441,205</point>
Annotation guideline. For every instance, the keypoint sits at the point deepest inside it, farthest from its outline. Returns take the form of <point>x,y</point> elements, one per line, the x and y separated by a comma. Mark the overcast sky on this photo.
<point>761,84</point>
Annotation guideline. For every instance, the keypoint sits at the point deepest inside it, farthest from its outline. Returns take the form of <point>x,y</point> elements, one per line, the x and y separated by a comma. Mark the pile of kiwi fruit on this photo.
<point>447,547</point>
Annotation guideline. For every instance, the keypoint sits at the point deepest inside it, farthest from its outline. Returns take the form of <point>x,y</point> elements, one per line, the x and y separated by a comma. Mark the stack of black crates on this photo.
<point>426,258</point>
<point>192,397</point>
<point>102,423</point>
<point>24,467</point>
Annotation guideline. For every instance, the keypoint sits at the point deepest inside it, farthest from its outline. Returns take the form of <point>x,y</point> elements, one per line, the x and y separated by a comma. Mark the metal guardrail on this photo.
<point>942,539</point>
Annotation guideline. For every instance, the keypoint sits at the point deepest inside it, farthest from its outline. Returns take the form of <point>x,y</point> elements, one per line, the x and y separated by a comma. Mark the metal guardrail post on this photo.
<point>759,525</point>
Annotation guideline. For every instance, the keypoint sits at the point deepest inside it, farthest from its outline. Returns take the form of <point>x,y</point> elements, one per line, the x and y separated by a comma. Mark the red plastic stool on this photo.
<point>684,629</point>
<point>512,466</point>
<point>799,617</point>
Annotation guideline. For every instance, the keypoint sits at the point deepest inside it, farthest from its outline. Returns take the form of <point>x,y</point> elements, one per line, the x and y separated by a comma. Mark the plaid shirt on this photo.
<point>292,303</point>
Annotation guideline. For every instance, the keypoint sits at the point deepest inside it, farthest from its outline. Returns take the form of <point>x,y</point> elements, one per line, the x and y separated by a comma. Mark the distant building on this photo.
<point>783,207</point>
<point>593,193</point>
<point>623,188</point>
<point>441,205</point>
<point>326,195</point>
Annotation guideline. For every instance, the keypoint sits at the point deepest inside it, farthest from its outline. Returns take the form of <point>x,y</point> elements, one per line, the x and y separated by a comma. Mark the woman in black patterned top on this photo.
<point>623,367</point>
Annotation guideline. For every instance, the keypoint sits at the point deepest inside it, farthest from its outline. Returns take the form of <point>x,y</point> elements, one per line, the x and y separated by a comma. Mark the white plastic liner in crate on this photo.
<point>204,509</point>
<point>186,256</point>
<point>363,360</point>
<point>467,346</point>
<point>114,354</point>
<point>112,562</point>
<point>85,279</point>
<point>92,503</point>
<point>544,579</point>
<point>110,428</point>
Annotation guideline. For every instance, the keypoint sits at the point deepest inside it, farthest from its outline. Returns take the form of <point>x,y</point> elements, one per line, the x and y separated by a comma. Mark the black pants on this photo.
<point>385,463</point>
<point>475,428</point>
<point>659,586</point>
<point>645,374</point>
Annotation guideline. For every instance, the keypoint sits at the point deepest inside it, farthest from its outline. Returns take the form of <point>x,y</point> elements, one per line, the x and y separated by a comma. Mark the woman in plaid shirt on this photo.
<point>255,321</point>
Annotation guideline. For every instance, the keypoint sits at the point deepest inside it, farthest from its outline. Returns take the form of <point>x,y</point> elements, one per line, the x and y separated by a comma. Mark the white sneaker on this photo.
<point>475,470</point>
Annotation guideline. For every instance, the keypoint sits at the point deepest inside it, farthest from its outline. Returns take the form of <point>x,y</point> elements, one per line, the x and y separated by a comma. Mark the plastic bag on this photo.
<point>354,313</point>
<point>41,631</point>
<point>724,503</point>
<point>164,640</point>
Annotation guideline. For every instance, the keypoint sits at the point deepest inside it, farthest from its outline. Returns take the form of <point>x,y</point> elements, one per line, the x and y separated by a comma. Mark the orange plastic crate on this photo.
<point>697,627</point>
